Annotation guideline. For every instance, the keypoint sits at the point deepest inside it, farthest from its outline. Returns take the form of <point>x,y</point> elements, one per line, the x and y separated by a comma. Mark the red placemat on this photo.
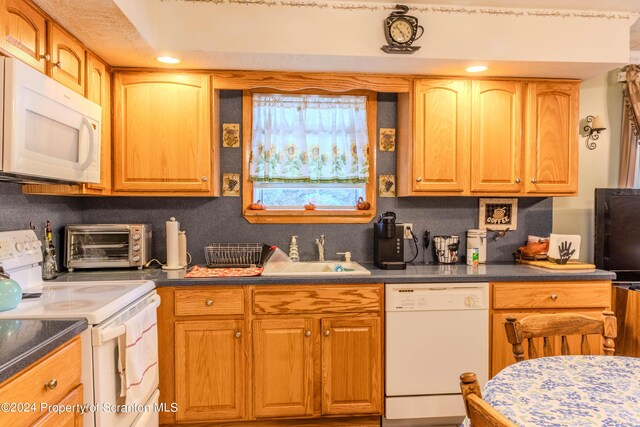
<point>223,272</point>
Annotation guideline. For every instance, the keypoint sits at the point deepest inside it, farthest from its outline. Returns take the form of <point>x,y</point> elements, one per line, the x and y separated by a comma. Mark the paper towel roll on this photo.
<point>182,248</point>
<point>172,227</point>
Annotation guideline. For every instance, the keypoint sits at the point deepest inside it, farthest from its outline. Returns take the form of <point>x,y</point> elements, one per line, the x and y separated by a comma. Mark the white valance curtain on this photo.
<point>309,138</point>
<point>629,161</point>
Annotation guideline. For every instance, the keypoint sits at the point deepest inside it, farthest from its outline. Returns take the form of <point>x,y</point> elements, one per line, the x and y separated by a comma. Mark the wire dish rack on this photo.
<point>237,255</point>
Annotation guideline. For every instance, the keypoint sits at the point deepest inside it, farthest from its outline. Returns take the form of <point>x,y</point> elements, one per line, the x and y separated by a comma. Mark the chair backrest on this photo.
<point>479,412</point>
<point>547,326</point>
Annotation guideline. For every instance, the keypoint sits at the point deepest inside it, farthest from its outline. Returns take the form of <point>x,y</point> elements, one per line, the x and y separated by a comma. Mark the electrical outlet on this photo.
<point>408,228</point>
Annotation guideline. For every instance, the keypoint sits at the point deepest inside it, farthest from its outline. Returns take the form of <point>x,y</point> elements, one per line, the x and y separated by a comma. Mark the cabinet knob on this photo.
<point>554,297</point>
<point>209,302</point>
<point>518,180</point>
<point>307,334</point>
<point>238,334</point>
<point>327,333</point>
<point>51,384</point>
<point>534,180</point>
<point>205,179</point>
<point>58,64</point>
<point>46,57</point>
<point>418,179</point>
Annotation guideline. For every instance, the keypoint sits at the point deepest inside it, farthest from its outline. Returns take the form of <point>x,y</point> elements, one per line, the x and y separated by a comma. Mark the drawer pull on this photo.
<point>51,385</point>
<point>418,179</point>
<point>307,334</point>
<point>238,334</point>
<point>209,302</point>
<point>554,297</point>
<point>327,333</point>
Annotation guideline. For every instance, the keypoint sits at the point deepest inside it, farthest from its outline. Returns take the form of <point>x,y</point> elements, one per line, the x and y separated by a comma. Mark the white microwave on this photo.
<point>50,132</point>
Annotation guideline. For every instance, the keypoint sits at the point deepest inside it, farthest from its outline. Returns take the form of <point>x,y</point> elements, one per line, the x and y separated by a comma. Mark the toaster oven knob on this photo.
<point>136,237</point>
<point>136,258</point>
<point>136,248</point>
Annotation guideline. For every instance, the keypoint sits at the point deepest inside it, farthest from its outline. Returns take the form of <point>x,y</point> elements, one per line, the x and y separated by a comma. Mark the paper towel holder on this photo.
<point>172,228</point>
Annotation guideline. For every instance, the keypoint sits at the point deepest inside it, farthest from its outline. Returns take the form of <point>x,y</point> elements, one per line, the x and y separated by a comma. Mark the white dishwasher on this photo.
<point>434,333</point>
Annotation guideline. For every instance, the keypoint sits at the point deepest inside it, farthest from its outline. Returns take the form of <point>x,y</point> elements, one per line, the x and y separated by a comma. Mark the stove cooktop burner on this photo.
<point>98,289</point>
<point>67,305</point>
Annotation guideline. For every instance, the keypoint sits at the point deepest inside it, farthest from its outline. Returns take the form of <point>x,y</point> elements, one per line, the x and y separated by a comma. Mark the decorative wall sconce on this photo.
<point>593,131</point>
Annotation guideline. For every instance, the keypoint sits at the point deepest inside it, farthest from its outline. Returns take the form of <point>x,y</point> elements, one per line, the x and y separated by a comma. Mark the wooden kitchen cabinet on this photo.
<point>24,33</point>
<point>261,355</point>
<point>67,59</point>
<point>523,299</point>
<point>162,134</point>
<point>496,140</point>
<point>502,137</point>
<point>64,365</point>
<point>552,138</point>
<point>209,374</point>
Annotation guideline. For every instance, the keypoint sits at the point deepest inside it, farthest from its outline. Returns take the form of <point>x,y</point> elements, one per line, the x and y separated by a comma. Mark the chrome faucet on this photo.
<point>320,243</point>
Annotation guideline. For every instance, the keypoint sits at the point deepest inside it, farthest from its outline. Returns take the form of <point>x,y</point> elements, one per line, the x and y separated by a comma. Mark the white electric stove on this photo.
<point>105,304</point>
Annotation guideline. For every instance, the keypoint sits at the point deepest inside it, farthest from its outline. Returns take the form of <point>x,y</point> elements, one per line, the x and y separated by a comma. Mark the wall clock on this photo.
<point>401,30</point>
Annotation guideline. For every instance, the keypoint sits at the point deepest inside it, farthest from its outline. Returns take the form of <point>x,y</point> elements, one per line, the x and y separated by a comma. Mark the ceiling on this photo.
<point>130,33</point>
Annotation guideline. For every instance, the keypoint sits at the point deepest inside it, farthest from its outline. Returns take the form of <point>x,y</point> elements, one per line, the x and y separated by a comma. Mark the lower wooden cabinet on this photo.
<point>284,356</point>
<point>209,370</point>
<point>526,298</point>
<point>64,418</point>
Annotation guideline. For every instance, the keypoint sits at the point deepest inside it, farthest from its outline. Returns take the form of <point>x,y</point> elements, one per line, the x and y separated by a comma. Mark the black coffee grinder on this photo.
<point>388,243</point>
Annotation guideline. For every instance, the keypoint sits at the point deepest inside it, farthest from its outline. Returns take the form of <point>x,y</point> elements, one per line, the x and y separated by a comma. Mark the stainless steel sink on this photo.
<point>314,268</point>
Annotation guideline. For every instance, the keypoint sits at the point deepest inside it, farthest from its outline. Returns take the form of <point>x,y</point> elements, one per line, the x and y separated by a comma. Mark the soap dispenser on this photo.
<point>293,249</point>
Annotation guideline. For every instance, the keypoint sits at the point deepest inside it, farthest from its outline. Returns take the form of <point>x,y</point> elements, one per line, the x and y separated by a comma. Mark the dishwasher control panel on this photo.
<point>436,296</point>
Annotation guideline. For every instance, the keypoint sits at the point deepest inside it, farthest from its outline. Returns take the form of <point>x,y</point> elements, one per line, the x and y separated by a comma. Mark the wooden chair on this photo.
<point>479,412</point>
<point>547,326</point>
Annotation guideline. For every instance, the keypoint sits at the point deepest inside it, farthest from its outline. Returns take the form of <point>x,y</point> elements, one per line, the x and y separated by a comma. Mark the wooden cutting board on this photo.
<point>571,265</point>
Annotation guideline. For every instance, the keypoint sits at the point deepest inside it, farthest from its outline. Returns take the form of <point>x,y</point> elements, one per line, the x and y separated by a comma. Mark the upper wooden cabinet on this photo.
<point>441,141</point>
<point>67,59</point>
<point>552,138</point>
<point>488,137</point>
<point>496,139</point>
<point>24,33</point>
<point>162,133</point>
<point>99,91</point>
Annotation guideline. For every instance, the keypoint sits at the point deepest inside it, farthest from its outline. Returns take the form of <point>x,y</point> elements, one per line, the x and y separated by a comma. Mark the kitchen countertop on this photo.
<point>493,272</point>
<point>23,342</point>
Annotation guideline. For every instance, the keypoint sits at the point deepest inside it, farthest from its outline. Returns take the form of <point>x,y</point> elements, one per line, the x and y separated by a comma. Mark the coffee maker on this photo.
<point>388,243</point>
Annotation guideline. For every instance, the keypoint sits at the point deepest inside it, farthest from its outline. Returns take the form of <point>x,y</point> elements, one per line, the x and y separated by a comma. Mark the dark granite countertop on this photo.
<point>494,272</point>
<point>23,342</point>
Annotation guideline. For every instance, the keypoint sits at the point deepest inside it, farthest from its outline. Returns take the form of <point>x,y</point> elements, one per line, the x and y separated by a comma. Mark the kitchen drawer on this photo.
<point>61,370</point>
<point>317,299</point>
<point>551,295</point>
<point>213,301</point>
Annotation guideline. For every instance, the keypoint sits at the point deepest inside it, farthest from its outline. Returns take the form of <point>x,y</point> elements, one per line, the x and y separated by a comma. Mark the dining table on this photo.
<point>571,391</point>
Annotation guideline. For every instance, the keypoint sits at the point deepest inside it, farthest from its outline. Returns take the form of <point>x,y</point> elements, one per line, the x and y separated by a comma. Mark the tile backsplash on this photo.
<point>208,220</point>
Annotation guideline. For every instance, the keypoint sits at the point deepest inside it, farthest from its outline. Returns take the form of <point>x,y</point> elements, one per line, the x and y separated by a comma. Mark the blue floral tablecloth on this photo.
<point>571,391</point>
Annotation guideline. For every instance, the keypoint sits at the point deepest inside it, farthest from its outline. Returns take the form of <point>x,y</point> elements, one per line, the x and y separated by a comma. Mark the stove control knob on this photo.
<point>19,246</point>
<point>136,236</point>
<point>135,258</point>
<point>136,248</point>
<point>471,301</point>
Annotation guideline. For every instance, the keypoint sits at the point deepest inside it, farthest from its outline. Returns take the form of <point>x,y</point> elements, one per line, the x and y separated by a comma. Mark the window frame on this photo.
<point>302,216</point>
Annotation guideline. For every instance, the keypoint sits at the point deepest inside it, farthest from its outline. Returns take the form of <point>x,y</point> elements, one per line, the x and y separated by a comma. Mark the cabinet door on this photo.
<point>24,33</point>
<point>351,366</point>
<point>496,135</point>
<point>502,351</point>
<point>67,59</point>
<point>283,367</point>
<point>64,418</point>
<point>99,91</point>
<point>209,373</point>
<point>552,138</point>
<point>440,146</point>
<point>162,133</point>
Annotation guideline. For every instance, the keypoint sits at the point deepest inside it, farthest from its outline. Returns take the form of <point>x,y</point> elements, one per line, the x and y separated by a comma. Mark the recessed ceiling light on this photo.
<point>168,60</point>
<point>476,68</point>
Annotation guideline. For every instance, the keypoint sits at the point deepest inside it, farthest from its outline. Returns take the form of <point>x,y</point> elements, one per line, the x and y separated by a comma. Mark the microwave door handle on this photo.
<point>116,331</point>
<point>92,144</point>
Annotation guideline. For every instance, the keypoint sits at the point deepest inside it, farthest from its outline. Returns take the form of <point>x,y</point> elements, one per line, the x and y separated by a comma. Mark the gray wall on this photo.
<point>220,220</point>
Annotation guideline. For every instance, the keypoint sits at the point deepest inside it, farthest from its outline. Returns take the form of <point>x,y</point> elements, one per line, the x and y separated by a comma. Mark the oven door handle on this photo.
<point>116,331</point>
